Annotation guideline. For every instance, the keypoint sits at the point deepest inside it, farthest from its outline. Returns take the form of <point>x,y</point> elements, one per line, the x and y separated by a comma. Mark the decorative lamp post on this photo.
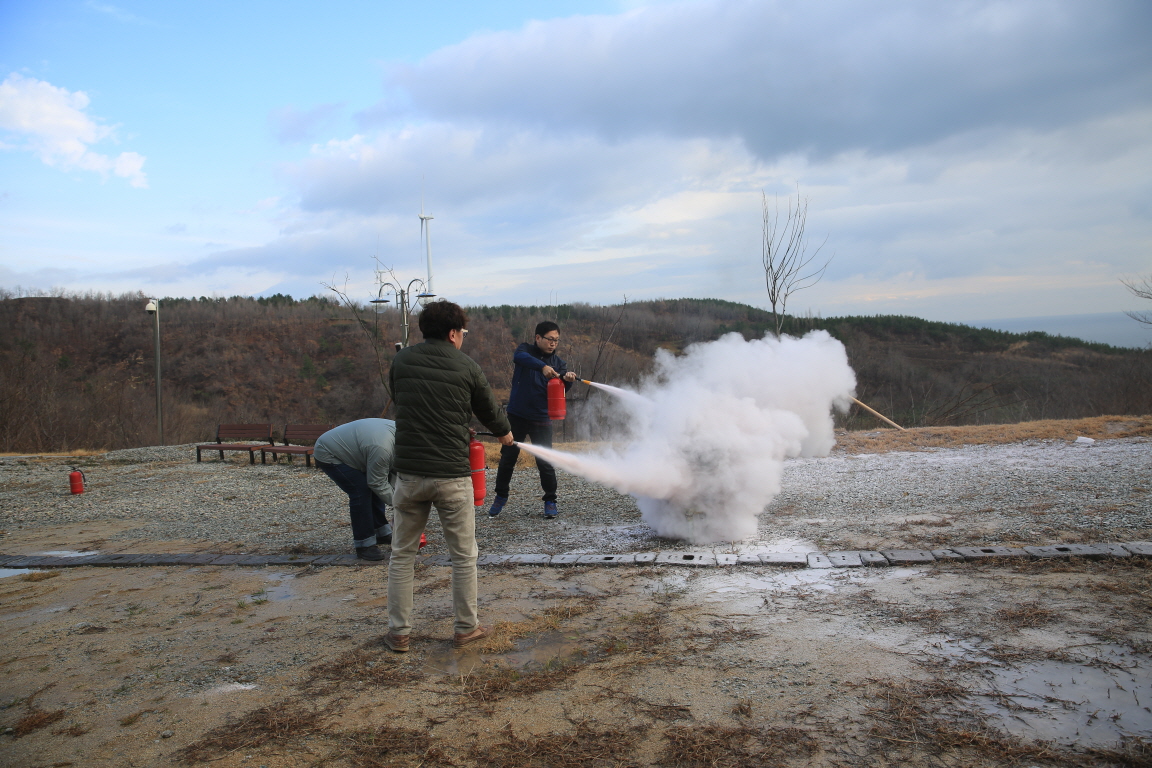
<point>403,298</point>
<point>153,308</point>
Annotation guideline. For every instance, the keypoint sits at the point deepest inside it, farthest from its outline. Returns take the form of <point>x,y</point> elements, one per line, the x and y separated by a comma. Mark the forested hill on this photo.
<point>77,371</point>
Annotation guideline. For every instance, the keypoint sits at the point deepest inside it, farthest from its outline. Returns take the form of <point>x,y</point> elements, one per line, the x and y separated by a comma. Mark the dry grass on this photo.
<point>898,612</point>
<point>715,746</point>
<point>642,634</point>
<point>506,633</point>
<point>39,575</point>
<point>72,730</point>
<point>1134,752</point>
<point>918,438</point>
<point>1031,614</point>
<point>488,682</point>
<point>278,723</point>
<point>385,747</point>
<point>664,712</point>
<point>35,720</point>
<point>916,718</point>
<point>132,718</point>
<point>723,634</point>
<point>371,663</point>
<point>586,747</point>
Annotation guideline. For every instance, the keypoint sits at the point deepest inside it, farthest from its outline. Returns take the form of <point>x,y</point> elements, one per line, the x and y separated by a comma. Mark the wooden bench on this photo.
<point>295,433</point>
<point>260,432</point>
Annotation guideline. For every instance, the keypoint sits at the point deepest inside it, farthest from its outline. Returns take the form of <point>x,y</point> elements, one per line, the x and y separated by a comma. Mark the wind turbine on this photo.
<point>426,235</point>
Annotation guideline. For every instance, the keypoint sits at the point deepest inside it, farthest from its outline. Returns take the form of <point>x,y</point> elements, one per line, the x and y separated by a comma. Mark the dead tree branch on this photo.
<point>788,267</point>
<point>372,331</point>
<point>1141,290</point>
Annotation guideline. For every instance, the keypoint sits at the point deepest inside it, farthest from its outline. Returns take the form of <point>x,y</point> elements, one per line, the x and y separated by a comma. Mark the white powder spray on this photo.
<point>710,430</point>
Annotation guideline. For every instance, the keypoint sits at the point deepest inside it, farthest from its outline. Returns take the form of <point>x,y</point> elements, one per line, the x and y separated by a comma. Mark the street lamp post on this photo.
<point>403,296</point>
<point>153,308</point>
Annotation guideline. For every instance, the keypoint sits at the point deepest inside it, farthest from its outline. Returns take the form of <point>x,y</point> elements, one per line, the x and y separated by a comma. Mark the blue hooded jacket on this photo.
<point>529,398</point>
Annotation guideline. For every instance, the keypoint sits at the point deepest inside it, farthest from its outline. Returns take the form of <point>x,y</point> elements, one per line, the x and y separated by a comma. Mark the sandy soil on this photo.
<point>1016,663</point>
<point>959,664</point>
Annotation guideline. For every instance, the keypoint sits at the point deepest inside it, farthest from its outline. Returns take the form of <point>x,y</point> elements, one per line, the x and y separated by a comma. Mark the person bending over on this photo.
<point>358,458</point>
<point>528,412</point>
<point>437,388</point>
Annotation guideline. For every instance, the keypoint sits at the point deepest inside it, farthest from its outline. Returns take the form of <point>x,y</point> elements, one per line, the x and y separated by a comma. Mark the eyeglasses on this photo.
<point>465,332</point>
<point>552,339</point>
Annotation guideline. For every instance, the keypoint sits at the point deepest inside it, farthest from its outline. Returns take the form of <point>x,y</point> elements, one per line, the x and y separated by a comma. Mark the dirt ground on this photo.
<point>1010,663</point>
<point>1023,663</point>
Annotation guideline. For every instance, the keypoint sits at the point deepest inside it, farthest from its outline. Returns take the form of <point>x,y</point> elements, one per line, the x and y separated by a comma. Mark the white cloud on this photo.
<point>818,77</point>
<point>53,123</point>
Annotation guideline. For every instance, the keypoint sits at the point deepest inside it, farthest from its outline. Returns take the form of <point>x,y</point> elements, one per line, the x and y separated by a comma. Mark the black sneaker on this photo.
<point>370,553</point>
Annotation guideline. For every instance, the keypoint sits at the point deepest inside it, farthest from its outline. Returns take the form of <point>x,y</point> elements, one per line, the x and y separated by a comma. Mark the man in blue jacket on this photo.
<point>527,409</point>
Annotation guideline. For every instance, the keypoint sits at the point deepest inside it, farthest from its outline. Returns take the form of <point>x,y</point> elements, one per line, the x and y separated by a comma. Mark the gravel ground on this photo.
<point>158,499</point>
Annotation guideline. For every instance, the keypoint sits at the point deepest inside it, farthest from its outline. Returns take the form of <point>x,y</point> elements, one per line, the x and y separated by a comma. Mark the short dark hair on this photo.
<point>440,317</point>
<point>545,327</point>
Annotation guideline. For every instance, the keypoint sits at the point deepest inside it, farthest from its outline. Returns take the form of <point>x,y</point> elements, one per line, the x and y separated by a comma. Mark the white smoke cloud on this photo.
<point>710,436</point>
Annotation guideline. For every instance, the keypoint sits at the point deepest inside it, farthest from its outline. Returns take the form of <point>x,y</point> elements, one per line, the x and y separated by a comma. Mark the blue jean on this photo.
<point>541,434</point>
<point>364,506</point>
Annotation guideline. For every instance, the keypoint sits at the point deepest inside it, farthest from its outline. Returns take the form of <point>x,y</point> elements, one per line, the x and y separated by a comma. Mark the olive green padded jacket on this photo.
<point>437,388</point>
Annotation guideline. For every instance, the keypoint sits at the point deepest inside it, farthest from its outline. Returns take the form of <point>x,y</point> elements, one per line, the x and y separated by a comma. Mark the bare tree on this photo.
<point>1142,290</point>
<point>788,267</point>
<point>372,331</point>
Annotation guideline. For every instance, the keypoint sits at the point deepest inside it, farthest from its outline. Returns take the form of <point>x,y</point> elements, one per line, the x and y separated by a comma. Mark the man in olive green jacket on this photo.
<point>437,388</point>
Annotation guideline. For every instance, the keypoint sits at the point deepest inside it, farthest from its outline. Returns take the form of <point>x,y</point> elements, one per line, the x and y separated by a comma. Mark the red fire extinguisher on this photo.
<point>557,407</point>
<point>476,461</point>
<point>76,480</point>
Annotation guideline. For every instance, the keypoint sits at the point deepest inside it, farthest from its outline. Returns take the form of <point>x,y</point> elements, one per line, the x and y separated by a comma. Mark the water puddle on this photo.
<point>1096,702</point>
<point>724,586</point>
<point>66,553</point>
<point>280,586</point>
<point>529,651</point>
<point>6,572</point>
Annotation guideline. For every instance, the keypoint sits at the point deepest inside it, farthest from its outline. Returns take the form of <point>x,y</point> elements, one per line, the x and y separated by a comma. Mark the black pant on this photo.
<point>364,506</point>
<point>541,434</point>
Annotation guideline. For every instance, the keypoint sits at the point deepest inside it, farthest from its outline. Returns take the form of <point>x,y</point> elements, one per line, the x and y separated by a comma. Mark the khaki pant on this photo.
<point>412,502</point>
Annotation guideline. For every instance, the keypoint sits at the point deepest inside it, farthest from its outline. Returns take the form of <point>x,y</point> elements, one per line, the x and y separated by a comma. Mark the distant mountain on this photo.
<point>1115,328</point>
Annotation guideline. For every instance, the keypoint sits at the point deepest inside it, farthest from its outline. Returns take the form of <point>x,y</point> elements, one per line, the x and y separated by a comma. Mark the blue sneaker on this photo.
<point>497,505</point>
<point>550,510</point>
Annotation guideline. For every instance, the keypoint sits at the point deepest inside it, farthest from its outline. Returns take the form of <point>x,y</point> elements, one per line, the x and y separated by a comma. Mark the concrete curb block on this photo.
<point>817,560</point>
<point>1067,550</point>
<point>845,559</point>
<point>985,553</point>
<point>908,556</point>
<point>695,559</point>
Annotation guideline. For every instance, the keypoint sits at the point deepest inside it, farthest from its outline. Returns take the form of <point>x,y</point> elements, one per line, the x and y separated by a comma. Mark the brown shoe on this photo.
<point>459,641</point>
<point>397,643</point>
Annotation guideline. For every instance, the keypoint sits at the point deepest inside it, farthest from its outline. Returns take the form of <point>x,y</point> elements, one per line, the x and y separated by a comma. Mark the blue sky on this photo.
<point>965,160</point>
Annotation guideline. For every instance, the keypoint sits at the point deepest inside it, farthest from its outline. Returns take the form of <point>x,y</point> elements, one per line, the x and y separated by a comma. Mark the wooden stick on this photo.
<point>877,413</point>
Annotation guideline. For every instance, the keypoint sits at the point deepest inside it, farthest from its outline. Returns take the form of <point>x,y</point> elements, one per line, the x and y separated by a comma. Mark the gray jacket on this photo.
<point>367,445</point>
